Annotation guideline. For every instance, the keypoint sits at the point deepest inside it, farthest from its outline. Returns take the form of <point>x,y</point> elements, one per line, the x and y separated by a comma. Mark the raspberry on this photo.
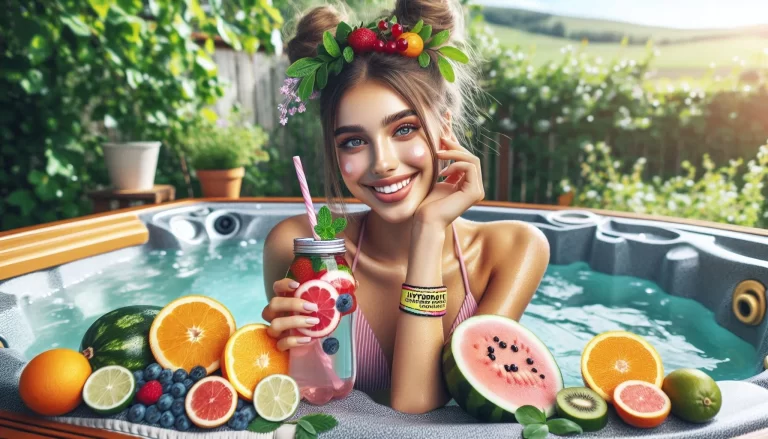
<point>150,393</point>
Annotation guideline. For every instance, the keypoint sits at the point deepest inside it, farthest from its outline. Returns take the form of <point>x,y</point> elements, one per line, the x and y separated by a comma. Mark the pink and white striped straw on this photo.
<point>305,194</point>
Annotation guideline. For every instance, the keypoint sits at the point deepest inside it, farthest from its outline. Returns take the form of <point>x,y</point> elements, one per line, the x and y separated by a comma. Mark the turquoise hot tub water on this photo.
<point>572,304</point>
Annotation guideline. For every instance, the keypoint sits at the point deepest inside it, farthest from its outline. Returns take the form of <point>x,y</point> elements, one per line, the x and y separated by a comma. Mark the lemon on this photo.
<point>276,397</point>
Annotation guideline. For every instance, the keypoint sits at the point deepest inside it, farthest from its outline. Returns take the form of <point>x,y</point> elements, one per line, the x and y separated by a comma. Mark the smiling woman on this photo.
<point>390,123</point>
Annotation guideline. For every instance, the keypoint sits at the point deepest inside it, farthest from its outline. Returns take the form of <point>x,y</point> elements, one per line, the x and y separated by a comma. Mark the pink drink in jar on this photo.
<point>324,368</point>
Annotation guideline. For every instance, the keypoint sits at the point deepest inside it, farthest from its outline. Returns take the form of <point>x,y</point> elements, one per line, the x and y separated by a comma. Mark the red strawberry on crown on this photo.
<point>362,40</point>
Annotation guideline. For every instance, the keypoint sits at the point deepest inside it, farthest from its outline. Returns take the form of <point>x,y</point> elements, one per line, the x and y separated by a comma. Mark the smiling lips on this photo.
<point>394,191</point>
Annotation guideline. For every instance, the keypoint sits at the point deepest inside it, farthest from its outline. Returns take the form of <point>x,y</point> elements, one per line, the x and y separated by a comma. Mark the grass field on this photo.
<point>674,60</point>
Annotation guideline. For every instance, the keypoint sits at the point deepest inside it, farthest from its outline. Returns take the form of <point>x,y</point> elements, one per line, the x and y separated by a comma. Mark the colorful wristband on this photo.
<point>424,301</point>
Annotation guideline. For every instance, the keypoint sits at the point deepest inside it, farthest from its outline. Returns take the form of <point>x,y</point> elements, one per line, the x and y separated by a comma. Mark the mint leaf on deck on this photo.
<point>562,427</point>
<point>261,425</point>
<point>321,422</point>
<point>535,431</point>
<point>529,414</point>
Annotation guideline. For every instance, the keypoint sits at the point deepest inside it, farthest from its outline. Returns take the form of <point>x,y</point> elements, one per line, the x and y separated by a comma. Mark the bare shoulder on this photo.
<point>502,238</point>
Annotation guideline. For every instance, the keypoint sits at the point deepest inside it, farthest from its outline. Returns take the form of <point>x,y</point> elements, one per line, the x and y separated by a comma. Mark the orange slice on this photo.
<point>613,357</point>
<point>250,356</point>
<point>191,331</point>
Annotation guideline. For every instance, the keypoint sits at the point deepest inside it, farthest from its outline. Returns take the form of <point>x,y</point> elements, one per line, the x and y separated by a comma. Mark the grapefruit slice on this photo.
<point>251,355</point>
<point>613,357</point>
<point>344,283</point>
<point>211,402</point>
<point>641,404</point>
<point>324,295</point>
<point>191,331</point>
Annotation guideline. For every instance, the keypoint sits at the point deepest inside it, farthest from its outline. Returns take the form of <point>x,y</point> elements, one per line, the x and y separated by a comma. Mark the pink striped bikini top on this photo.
<point>372,366</point>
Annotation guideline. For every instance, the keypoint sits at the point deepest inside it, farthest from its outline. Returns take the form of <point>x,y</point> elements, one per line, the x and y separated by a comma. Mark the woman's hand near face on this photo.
<point>279,313</point>
<point>462,188</point>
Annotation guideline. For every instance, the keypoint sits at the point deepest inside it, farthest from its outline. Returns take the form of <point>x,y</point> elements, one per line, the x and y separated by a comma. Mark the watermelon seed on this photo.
<point>534,370</point>
<point>496,339</point>
<point>491,356</point>
<point>542,376</point>
<point>506,367</point>
<point>502,345</point>
<point>490,349</point>
<point>514,348</point>
<point>529,361</point>
<point>513,367</point>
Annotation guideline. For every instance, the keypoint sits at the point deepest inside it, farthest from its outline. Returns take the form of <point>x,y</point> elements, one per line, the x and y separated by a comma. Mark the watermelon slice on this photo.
<point>494,365</point>
<point>324,295</point>
<point>344,283</point>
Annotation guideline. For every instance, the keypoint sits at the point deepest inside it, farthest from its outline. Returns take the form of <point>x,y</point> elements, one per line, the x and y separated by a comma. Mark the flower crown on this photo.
<point>307,76</point>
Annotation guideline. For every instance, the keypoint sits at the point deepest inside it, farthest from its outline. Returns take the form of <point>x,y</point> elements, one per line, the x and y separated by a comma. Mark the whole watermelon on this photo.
<point>121,337</point>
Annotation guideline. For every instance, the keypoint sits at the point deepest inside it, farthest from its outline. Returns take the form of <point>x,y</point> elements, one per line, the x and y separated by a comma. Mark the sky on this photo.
<point>684,14</point>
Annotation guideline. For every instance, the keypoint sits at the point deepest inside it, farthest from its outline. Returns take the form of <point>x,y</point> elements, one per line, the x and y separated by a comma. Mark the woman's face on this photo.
<point>382,151</point>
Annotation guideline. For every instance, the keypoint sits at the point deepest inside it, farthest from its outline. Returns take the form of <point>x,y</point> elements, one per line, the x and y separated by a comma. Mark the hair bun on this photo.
<point>440,14</point>
<point>310,29</point>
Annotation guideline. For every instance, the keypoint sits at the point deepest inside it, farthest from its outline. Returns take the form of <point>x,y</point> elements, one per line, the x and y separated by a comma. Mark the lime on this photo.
<point>695,396</point>
<point>109,390</point>
<point>276,397</point>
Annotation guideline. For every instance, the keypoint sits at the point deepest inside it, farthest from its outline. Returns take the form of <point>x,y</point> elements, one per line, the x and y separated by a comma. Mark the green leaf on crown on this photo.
<point>349,54</point>
<point>425,32</point>
<point>306,87</point>
<point>446,69</point>
<point>337,65</point>
<point>393,20</point>
<point>424,59</point>
<point>331,45</point>
<point>303,67</point>
<point>342,31</point>
<point>454,54</point>
<point>439,38</point>
<point>322,76</point>
<point>417,27</point>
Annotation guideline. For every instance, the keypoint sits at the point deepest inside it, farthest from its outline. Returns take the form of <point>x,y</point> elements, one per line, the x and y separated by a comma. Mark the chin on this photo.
<point>396,206</point>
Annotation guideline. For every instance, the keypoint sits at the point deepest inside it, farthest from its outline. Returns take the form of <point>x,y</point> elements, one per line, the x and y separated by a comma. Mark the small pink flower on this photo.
<point>283,121</point>
<point>302,108</point>
<point>292,111</point>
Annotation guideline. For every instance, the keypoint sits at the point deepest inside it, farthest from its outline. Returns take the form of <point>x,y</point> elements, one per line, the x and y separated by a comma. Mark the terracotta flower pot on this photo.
<point>221,183</point>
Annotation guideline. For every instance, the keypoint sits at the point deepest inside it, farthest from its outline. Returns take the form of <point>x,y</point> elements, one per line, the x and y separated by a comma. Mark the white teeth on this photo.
<point>392,187</point>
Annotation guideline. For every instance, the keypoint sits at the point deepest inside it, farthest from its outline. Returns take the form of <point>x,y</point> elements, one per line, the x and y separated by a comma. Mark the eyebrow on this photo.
<point>387,120</point>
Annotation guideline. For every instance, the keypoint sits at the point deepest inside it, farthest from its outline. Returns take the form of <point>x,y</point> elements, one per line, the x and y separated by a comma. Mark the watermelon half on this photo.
<point>494,365</point>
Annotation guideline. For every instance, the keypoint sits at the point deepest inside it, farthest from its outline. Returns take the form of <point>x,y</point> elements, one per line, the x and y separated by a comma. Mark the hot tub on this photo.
<point>695,290</point>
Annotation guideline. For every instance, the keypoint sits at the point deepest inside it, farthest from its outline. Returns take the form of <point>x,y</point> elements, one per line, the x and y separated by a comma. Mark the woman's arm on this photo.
<point>417,379</point>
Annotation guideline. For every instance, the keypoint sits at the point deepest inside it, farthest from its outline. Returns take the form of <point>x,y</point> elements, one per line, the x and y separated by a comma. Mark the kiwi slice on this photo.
<point>584,407</point>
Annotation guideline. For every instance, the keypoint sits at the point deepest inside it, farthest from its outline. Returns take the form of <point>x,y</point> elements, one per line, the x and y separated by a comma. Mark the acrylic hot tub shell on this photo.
<point>697,260</point>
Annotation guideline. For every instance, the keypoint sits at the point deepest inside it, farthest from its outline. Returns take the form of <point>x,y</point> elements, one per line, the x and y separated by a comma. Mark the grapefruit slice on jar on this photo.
<point>345,286</point>
<point>324,295</point>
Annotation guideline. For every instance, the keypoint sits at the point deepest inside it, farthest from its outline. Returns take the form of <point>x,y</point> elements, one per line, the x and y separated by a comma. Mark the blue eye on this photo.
<point>405,130</point>
<point>352,143</point>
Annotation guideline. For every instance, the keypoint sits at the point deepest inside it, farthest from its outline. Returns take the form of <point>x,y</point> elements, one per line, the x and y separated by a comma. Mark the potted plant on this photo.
<point>219,152</point>
<point>131,161</point>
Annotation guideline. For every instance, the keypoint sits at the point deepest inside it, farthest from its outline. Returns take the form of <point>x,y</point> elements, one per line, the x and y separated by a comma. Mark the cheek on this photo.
<point>418,155</point>
<point>350,166</point>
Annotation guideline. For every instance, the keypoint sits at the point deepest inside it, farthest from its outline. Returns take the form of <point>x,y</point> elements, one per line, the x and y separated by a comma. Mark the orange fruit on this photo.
<point>191,331</point>
<point>52,383</point>
<point>641,404</point>
<point>250,356</point>
<point>415,44</point>
<point>613,357</point>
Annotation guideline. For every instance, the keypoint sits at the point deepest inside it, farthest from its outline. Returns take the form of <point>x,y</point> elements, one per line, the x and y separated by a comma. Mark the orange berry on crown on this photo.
<point>415,44</point>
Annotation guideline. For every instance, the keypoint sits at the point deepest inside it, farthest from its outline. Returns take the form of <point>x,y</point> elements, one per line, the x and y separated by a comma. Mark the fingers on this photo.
<point>282,324</point>
<point>279,305</point>
<point>464,156</point>
<point>284,285</point>
<point>452,144</point>
<point>286,343</point>
<point>466,173</point>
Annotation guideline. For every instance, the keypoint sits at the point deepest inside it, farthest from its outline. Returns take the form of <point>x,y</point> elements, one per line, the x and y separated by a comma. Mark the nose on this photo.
<point>385,158</point>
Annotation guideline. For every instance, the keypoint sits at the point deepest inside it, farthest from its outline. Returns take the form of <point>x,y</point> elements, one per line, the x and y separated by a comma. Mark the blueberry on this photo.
<point>138,375</point>
<point>152,372</point>
<point>177,408</point>
<point>249,412</point>
<point>344,303</point>
<point>140,384</point>
<point>178,390</point>
<point>182,423</point>
<point>330,345</point>
<point>198,373</point>
<point>179,376</point>
<point>164,403</point>
<point>166,386</point>
<point>166,375</point>
<point>167,419</point>
<point>188,383</point>
<point>136,413</point>
<point>153,414</point>
<point>238,422</point>
<point>240,404</point>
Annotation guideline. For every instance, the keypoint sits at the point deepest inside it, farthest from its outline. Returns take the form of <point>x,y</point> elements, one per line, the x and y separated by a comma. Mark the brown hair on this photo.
<point>424,89</point>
